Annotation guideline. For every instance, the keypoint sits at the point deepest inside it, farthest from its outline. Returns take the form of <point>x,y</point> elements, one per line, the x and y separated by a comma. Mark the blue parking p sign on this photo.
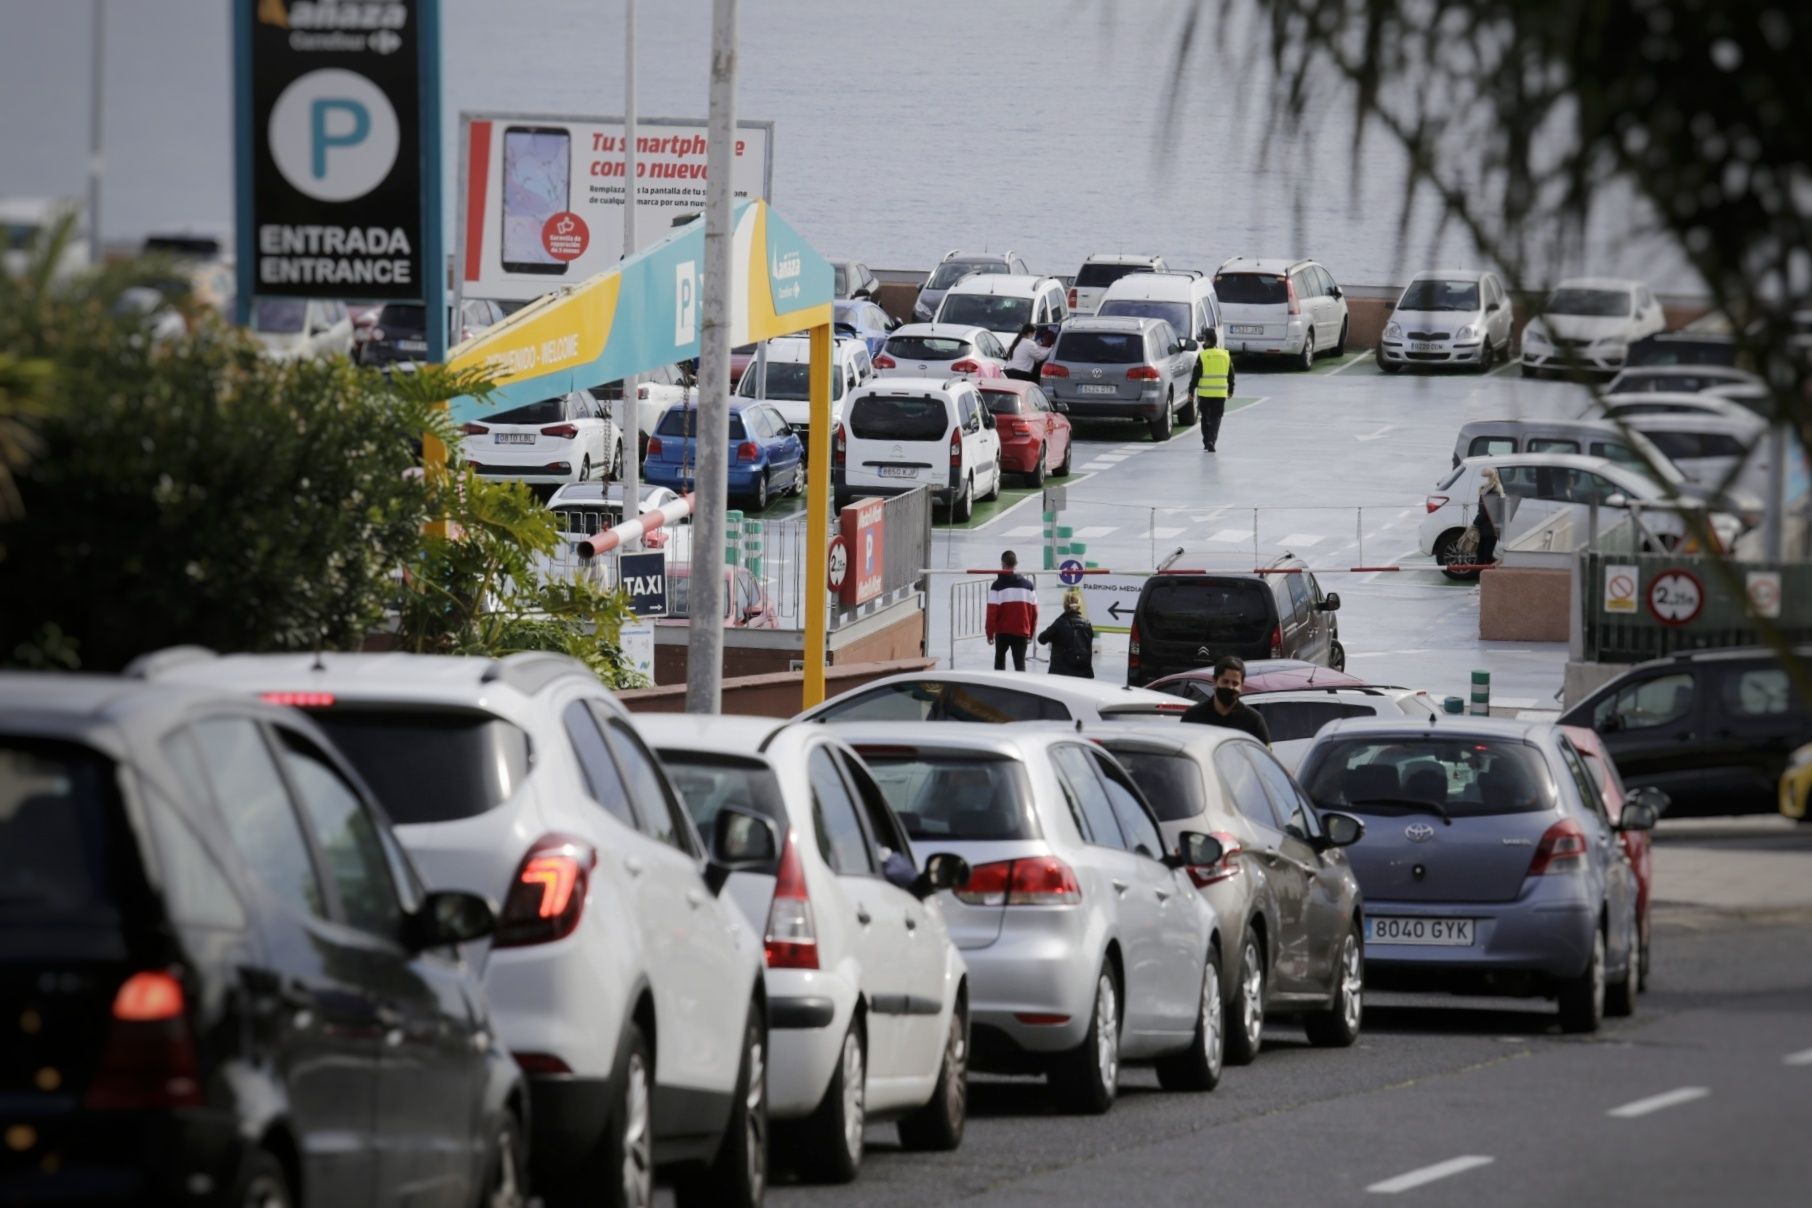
<point>644,577</point>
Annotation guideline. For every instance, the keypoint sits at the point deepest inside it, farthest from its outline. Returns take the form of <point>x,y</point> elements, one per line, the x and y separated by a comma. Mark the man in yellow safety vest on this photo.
<point>1213,386</point>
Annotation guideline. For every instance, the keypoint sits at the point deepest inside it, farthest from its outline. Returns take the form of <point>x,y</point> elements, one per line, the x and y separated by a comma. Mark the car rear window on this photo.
<point>1094,275</point>
<point>682,422</point>
<point>1174,313</point>
<point>1100,347</point>
<point>986,310</point>
<point>927,348</point>
<point>542,411</point>
<point>1172,783</point>
<point>899,417</point>
<point>61,849</point>
<point>1188,608</point>
<point>1292,719</point>
<point>788,381</point>
<point>939,700</point>
<point>1001,402</point>
<point>709,782</point>
<point>1251,289</point>
<point>1466,776</point>
<point>952,271</point>
<point>949,795</point>
<point>430,765</point>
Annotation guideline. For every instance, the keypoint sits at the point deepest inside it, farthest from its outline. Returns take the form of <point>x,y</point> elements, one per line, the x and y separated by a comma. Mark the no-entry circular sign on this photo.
<point>838,566</point>
<point>1676,597</point>
<point>565,235</point>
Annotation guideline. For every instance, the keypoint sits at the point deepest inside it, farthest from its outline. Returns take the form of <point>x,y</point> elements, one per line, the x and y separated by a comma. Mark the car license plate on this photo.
<point>1248,329</point>
<point>898,471</point>
<point>515,438</point>
<point>1428,348</point>
<point>1097,390</point>
<point>1445,933</point>
<point>412,345</point>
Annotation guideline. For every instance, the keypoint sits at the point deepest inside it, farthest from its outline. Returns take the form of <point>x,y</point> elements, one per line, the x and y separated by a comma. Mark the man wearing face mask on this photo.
<point>1225,708</point>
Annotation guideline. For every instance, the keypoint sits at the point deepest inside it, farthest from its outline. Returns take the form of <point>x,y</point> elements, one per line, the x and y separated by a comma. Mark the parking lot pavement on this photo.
<point>1752,865</point>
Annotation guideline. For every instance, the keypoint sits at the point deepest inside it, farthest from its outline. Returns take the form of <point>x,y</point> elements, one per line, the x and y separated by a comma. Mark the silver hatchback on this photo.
<point>1123,368</point>
<point>1087,943</point>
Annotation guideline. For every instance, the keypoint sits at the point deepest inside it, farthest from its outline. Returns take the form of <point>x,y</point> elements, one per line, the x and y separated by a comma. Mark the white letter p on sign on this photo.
<point>685,302</point>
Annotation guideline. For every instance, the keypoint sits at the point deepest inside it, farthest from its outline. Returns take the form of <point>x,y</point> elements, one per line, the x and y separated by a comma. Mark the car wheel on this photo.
<point>1039,472</point>
<point>1246,1009</point>
<point>1308,353</point>
<point>760,501</point>
<point>1160,427</point>
<point>1087,1078</point>
<point>506,1185</point>
<point>963,508</point>
<point>585,469</point>
<point>938,1126</point>
<point>1198,1068</point>
<point>1620,995</point>
<point>994,488</point>
<point>1582,999</point>
<point>1069,453</point>
<point>1340,344</point>
<point>1389,366</point>
<point>1486,357</point>
<point>738,1176</point>
<point>1336,656</point>
<point>1448,552</point>
<point>827,1145</point>
<point>627,1165</point>
<point>1530,371</point>
<point>263,1183</point>
<point>1338,1026</point>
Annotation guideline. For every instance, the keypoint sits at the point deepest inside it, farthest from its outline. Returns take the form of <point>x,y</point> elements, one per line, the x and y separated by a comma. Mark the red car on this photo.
<point>1034,435</point>
<point>1636,843</point>
<point>1262,675</point>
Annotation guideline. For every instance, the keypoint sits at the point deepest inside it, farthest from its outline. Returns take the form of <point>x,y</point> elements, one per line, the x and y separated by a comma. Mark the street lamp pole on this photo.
<point>632,412</point>
<point>96,93</point>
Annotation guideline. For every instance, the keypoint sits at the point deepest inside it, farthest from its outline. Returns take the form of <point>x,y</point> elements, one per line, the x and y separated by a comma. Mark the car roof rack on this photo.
<point>532,670</point>
<point>150,666</point>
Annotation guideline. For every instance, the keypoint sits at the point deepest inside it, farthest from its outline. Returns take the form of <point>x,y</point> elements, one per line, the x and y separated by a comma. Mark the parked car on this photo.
<point>655,391</point>
<point>1100,271</point>
<point>397,334</point>
<point>852,279</point>
<point>1086,942</point>
<point>946,349</point>
<point>787,384</point>
<point>1713,452</point>
<point>1655,402</point>
<point>953,268</point>
<point>900,433</point>
<point>1796,785</point>
<point>524,780</point>
<point>1686,347</point>
<point>1713,729</point>
<point>867,995</point>
<point>860,319</point>
<point>552,441</point>
<point>1448,317</point>
<point>1286,308</point>
<point>766,457</point>
<point>1295,716</point>
<point>1587,325</point>
<point>746,602</point>
<point>995,697</point>
<point>1288,904</point>
<point>1130,369</point>
<point>584,508</point>
<point>225,979</point>
<point>1263,676</point>
<point>1488,864</point>
<point>1187,617</point>
<point>300,328</point>
<point>1637,848</point>
<point>1004,303</point>
<point>1680,379</point>
<point>1034,434</point>
<point>1185,300</point>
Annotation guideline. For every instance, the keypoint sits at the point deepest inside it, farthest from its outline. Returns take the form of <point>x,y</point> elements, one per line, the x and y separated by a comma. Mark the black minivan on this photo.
<point>220,979</point>
<point>1188,617</point>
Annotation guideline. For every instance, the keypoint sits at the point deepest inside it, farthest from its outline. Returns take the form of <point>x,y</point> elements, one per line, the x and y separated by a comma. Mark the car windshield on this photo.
<point>1095,275</point>
<point>985,310</point>
<point>939,795</point>
<point>928,348</point>
<point>1188,608</point>
<point>402,319</point>
<point>787,381</point>
<point>542,411</point>
<point>903,417</point>
<point>707,783</point>
<point>1100,347</point>
<point>1174,313</point>
<point>280,316</point>
<point>1429,294</point>
<point>1592,302</point>
<point>430,765</point>
<point>60,841</point>
<point>1461,777</point>
<point>1251,289</point>
<point>951,271</point>
<point>1171,782</point>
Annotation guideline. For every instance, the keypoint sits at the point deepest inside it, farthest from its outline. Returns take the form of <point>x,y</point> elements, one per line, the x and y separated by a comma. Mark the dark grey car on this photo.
<point>1123,368</point>
<point>1286,897</point>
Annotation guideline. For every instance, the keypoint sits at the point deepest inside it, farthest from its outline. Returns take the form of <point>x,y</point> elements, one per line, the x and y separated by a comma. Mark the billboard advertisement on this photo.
<point>542,197</point>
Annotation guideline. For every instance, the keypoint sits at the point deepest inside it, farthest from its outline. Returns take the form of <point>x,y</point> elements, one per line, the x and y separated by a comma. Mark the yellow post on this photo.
<point>817,516</point>
<point>434,467</point>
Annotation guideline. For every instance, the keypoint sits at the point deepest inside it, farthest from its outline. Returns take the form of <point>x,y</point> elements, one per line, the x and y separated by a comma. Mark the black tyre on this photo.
<point>1529,371</point>
<point>826,1146</point>
<point>1582,999</point>
<point>1308,353</point>
<point>938,1126</point>
<point>1447,552</point>
<point>616,463</point>
<point>1039,470</point>
<point>1160,427</point>
<point>999,478</point>
<point>1340,344</point>
<point>1389,366</point>
<point>1189,414</point>
<point>1086,1079</point>
<point>759,502</point>
<point>738,1176</point>
<point>585,469</point>
<point>1338,1026</point>
<point>1246,1005</point>
<point>1620,995</point>
<point>1336,656</point>
<point>1198,1068</point>
<point>263,1183</point>
<point>506,1182</point>
<point>1069,453</point>
<point>1487,358</point>
<point>964,507</point>
<point>621,1170</point>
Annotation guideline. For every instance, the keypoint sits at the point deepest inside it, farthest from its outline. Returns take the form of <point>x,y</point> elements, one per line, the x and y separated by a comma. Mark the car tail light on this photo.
<point>965,366</point>
<point>1435,503</point>
<point>654,446</point>
<point>1142,373</point>
<point>956,446</point>
<point>563,431</point>
<point>747,451</point>
<point>1051,370</point>
<point>642,391</point>
<point>473,429</point>
<point>541,1063</point>
<point>1562,849</point>
<point>1223,869</point>
<point>886,362</point>
<point>1035,881</point>
<point>558,467</point>
<point>987,884</point>
<point>1072,299</point>
<point>791,939</point>
<point>547,895</point>
<point>1132,650</point>
<point>299,700</point>
<point>839,446</point>
<point>148,1058</point>
<point>1277,641</point>
<point>1290,293</point>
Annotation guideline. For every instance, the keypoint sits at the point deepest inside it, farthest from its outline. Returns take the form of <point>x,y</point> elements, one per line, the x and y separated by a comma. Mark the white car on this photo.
<point>1185,300</point>
<point>558,440</point>
<point>1660,402</point>
<point>1004,304</point>
<point>655,391</point>
<point>1588,324</point>
<point>1296,715</point>
<point>941,349</point>
<point>1101,270</point>
<point>787,384</point>
<point>953,268</point>
<point>1448,317</point>
<point>1683,379</point>
<point>901,433</point>
<point>1286,308</point>
<point>627,987</point>
<point>867,995</point>
<point>997,697</point>
<point>299,328</point>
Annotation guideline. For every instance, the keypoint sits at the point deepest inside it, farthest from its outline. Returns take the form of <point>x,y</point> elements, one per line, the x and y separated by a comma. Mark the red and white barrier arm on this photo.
<point>640,526</point>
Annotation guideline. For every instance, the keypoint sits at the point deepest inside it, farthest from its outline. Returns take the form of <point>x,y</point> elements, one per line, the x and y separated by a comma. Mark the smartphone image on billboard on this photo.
<point>537,178</point>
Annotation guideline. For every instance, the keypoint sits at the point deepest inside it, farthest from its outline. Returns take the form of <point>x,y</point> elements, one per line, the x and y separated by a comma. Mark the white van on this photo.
<point>1004,304</point>
<point>900,433</point>
<point>1102,270</point>
<point>788,381</point>
<point>1184,299</point>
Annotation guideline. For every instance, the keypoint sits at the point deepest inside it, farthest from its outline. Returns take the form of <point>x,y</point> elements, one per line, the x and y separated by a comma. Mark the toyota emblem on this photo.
<point>1418,832</point>
<point>1094,373</point>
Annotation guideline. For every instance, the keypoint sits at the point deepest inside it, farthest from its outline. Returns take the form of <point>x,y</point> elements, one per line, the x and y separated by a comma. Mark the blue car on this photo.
<point>767,457</point>
<point>1489,863</point>
<point>860,319</point>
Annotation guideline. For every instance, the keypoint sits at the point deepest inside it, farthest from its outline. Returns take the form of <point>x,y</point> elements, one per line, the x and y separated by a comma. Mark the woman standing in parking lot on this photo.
<point>1029,352</point>
<point>1071,639</point>
<point>1490,518</point>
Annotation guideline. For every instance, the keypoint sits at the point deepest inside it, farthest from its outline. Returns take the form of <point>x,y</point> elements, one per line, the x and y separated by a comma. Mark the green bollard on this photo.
<point>1481,694</point>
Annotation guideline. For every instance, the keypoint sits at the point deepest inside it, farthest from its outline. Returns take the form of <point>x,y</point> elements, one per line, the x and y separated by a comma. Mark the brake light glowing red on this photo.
<point>1276,641</point>
<point>1435,503</point>
<point>1034,881</point>
<point>148,1057</point>
<point>1562,849</point>
<point>748,451</point>
<point>563,431</point>
<point>299,700</point>
<point>1132,647</point>
<point>1142,373</point>
<point>148,997</point>
<point>1050,370</point>
<point>1223,869</point>
<point>541,1063</point>
<point>839,446</point>
<point>791,939</point>
<point>547,896</point>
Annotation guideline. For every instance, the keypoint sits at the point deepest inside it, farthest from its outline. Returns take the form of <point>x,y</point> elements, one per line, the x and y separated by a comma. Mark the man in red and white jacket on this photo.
<point>1012,613</point>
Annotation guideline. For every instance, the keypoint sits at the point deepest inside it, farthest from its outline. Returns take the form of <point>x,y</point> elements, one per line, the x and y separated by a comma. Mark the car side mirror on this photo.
<point>1637,816</point>
<point>450,916</point>
<point>988,420</point>
<point>942,871</point>
<point>740,839</point>
<point>1336,292</point>
<point>1341,830</point>
<point>1648,795</point>
<point>1195,850</point>
<point>1616,499</point>
<point>1331,603</point>
<point>1176,347</point>
<point>1492,307</point>
<point>1192,345</point>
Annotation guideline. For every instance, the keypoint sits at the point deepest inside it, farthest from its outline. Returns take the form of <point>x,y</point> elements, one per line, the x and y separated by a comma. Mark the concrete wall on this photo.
<point>897,633</point>
<point>776,694</point>
<point>1525,605</point>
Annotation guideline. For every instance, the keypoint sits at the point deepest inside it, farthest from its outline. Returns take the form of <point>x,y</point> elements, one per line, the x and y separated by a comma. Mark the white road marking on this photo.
<point>1294,539</point>
<point>1110,458</point>
<point>1661,1102</point>
<point>1803,1057</point>
<point>1094,531</point>
<point>1430,1174</point>
<point>1376,435</point>
<point>1232,535</point>
<point>1514,702</point>
<point>1163,534</point>
<point>1356,359</point>
<point>1025,530</point>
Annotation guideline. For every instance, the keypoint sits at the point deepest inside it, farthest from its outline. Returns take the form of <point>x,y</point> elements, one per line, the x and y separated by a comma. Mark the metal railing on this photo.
<point>1634,607</point>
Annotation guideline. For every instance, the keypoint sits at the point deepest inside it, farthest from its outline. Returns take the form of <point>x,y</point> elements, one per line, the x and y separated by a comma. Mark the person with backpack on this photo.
<point>1071,639</point>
